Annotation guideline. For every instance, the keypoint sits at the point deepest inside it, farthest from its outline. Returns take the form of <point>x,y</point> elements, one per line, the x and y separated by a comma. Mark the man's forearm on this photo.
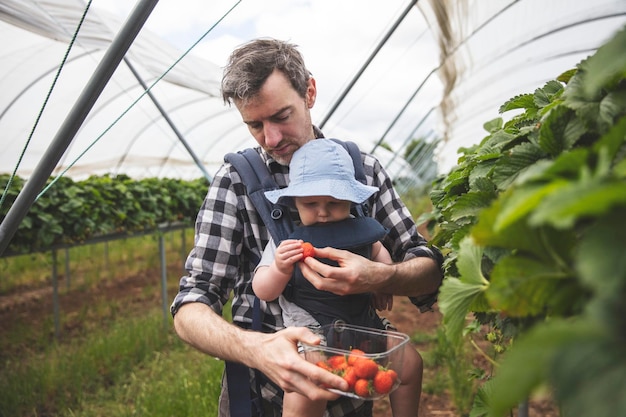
<point>413,277</point>
<point>199,326</point>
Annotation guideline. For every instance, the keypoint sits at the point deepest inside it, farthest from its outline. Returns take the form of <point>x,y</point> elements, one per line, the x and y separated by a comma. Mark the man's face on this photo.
<point>278,118</point>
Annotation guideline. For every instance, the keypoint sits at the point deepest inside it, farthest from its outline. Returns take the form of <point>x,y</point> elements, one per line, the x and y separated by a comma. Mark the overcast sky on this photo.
<point>335,37</point>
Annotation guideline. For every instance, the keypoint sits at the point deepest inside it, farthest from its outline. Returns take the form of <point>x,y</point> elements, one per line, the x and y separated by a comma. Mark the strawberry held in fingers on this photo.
<point>307,250</point>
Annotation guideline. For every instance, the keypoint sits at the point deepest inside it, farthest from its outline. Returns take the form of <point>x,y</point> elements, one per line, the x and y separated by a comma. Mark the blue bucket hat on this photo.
<point>322,167</point>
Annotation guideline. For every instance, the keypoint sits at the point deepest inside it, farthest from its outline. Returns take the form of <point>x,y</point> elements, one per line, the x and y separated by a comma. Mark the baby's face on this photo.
<point>321,209</point>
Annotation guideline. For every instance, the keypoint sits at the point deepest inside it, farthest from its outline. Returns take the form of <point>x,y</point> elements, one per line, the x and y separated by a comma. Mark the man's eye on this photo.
<point>282,117</point>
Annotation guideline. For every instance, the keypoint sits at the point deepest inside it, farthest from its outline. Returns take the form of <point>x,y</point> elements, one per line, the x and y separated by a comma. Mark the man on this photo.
<point>273,91</point>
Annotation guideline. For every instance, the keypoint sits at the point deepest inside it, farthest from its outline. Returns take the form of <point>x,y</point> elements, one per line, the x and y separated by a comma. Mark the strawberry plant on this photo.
<point>72,212</point>
<point>532,223</point>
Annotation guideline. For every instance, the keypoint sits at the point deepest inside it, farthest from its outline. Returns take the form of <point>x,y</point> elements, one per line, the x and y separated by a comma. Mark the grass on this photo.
<point>133,367</point>
<point>65,374</point>
<point>173,382</point>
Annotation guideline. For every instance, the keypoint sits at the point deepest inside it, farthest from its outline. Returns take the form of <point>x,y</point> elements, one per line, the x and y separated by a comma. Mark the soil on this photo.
<point>34,308</point>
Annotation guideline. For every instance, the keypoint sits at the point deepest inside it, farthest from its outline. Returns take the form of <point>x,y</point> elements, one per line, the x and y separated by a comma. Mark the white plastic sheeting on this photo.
<point>501,49</point>
<point>119,135</point>
<point>488,52</point>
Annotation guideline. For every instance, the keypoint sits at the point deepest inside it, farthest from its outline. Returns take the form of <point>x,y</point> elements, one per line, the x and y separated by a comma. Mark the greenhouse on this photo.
<point>502,125</point>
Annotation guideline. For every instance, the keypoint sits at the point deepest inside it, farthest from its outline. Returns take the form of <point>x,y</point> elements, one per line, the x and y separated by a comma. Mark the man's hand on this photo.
<point>274,354</point>
<point>354,275</point>
<point>279,360</point>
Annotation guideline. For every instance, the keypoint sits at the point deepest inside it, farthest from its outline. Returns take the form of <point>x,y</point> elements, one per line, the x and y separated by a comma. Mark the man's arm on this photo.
<point>355,274</point>
<point>274,354</point>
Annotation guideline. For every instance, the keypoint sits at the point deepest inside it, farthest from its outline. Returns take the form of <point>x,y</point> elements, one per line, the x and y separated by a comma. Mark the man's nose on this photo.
<point>272,134</point>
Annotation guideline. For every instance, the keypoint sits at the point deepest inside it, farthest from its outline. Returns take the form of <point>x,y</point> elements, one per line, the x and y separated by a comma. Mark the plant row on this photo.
<point>72,212</point>
<point>532,223</point>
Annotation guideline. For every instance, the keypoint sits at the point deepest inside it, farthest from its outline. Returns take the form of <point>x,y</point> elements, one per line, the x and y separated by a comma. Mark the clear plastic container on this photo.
<point>337,354</point>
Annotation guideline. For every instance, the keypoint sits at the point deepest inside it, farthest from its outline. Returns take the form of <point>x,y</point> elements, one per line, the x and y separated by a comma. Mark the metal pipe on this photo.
<point>169,121</point>
<point>366,64</point>
<point>74,120</point>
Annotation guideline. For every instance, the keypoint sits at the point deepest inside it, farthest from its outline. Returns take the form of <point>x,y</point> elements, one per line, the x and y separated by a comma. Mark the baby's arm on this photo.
<point>270,280</point>
<point>381,301</point>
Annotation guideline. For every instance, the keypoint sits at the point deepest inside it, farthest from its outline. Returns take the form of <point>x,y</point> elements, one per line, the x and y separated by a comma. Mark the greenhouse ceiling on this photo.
<point>387,72</point>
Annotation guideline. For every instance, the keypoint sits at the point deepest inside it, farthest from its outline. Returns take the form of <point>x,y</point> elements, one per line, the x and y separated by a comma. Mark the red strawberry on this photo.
<point>362,388</point>
<point>365,368</point>
<point>384,380</point>
<point>337,362</point>
<point>324,365</point>
<point>354,355</point>
<point>350,376</point>
<point>307,250</point>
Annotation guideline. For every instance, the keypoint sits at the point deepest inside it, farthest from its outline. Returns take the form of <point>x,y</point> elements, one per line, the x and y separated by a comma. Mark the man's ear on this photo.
<point>311,93</point>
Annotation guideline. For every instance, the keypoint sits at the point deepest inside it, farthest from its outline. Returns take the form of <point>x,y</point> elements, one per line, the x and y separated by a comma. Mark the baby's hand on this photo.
<point>288,253</point>
<point>382,302</point>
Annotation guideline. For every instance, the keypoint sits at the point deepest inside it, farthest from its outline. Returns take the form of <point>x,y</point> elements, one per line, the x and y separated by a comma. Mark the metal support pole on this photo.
<point>522,409</point>
<point>183,246</point>
<point>169,121</point>
<point>56,310</point>
<point>163,280</point>
<point>67,268</point>
<point>74,120</point>
<point>367,63</point>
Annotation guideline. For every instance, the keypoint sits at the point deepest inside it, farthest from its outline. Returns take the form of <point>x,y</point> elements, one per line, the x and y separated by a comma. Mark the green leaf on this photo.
<point>493,125</point>
<point>568,165</point>
<point>523,286</point>
<point>612,106</point>
<point>597,388</point>
<point>468,205</point>
<point>518,203</point>
<point>514,162</point>
<point>494,143</point>
<point>559,131</point>
<point>606,64</point>
<point>600,256</point>
<point>456,295</point>
<point>545,95</point>
<point>543,243</point>
<point>482,400</point>
<point>529,362</point>
<point>613,140</point>
<point>522,101</point>
<point>569,204</point>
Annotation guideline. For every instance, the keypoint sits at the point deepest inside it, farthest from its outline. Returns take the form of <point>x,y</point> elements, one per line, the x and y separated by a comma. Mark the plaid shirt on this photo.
<point>229,230</point>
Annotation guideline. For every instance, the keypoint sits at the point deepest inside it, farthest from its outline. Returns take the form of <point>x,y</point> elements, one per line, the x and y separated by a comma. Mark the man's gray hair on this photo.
<point>253,62</point>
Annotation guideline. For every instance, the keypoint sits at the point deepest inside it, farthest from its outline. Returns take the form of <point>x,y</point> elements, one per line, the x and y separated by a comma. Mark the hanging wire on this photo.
<point>434,70</point>
<point>43,107</point>
<point>136,101</point>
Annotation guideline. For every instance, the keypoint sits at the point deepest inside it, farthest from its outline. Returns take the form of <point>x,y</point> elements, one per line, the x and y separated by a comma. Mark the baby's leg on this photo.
<point>405,400</point>
<point>297,405</point>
